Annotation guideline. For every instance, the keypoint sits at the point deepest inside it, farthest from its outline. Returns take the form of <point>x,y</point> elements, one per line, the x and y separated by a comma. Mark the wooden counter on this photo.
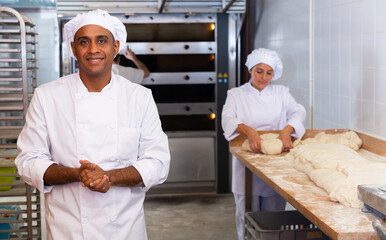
<point>334,219</point>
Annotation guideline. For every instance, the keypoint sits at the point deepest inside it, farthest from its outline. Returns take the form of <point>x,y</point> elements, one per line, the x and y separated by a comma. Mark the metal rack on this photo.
<point>19,202</point>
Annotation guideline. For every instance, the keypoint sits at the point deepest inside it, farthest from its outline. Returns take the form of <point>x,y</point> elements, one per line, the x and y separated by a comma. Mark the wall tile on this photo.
<point>379,119</point>
<point>380,46</point>
<point>335,79</point>
<point>356,56</point>
<point>344,81</point>
<point>367,120</point>
<point>355,113</point>
<point>368,13</point>
<point>335,51</point>
<point>344,111</point>
<point>344,13</point>
<point>345,50</point>
<point>380,86</point>
<point>355,89</point>
<point>356,17</point>
<point>368,50</point>
<point>368,84</point>
<point>380,16</point>
<point>349,60</point>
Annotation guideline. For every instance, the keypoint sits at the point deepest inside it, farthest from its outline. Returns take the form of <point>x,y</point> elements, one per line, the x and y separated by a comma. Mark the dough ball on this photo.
<point>270,144</point>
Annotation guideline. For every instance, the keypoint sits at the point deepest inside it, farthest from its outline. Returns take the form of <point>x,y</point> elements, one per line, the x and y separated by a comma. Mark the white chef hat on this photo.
<point>96,17</point>
<point>269,57</point>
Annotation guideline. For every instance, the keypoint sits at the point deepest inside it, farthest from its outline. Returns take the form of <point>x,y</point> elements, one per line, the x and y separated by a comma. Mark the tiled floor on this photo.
<point>197,217</point>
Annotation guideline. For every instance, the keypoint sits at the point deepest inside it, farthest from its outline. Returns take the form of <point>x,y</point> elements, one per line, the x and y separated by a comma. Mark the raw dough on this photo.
<point>337,169</point>
<point>350,139</point>
<point>270,144</point>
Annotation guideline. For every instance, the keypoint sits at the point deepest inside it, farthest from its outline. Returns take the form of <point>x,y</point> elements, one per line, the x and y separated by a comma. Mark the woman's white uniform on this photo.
<point>271,109</point>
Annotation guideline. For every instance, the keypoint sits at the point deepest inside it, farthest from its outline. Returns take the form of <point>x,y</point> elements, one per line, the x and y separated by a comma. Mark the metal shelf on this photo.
<point>18,74</point>
<point>180,78</point>
<point>12,69</point>
<point>16,22</point>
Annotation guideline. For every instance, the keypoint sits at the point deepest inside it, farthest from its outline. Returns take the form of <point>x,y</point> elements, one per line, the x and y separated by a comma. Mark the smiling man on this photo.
<point>93,142</point>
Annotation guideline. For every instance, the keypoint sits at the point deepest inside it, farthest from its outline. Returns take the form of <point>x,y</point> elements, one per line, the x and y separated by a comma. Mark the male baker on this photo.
<point>92,141</point>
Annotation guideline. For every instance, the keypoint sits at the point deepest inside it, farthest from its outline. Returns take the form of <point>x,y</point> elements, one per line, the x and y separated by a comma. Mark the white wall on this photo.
<point>284,27</point>
<point>46,25</point>
<point>348,45</point>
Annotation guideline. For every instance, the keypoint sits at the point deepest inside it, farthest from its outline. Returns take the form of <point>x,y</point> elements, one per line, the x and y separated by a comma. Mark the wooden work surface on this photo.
<point>334,219</point>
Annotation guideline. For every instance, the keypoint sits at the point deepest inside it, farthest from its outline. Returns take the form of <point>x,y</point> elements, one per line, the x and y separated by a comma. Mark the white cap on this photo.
<point>269,57</point>
<point>96,17</point>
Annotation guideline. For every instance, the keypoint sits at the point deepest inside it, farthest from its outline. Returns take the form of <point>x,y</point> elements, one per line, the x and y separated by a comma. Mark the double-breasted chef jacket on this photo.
<point>115,128</point>
<point>271,109</point>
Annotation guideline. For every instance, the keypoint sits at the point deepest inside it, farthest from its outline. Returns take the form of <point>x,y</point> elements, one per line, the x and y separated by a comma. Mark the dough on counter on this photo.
<point>270,144</point>
<point>349,139</point>
<point>337,169</point>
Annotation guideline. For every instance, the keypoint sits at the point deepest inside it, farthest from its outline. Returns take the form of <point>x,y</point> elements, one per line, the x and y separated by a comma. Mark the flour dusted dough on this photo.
<point>349,139</point>
<point>270,144</point>
<point>337,168</point>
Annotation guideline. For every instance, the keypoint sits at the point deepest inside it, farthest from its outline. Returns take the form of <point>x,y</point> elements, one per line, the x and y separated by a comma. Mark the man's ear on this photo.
<point>116,47</point>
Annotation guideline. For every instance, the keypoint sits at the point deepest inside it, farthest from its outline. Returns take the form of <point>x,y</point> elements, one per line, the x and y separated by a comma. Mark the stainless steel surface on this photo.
<point>175,48</point>
<point>232,49</point>
<point>168,18</point>
<point>130,7</point>
<point>374,196</point>
<point>192,159</point>
<point>380,229</point>
<point>186,108</point>
<point>181,78</point>
<point>191,134</point>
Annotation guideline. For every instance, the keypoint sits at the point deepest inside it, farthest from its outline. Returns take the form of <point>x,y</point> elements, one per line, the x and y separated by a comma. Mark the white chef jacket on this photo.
<point>271,109</point>
<point>133,74</point>
<point>115,128</point>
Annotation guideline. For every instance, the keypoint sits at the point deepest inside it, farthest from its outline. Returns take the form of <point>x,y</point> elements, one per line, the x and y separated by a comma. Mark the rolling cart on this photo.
<point>19,202</point>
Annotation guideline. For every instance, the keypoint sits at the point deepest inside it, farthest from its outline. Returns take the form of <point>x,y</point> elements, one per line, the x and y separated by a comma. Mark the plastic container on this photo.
<point>7,167</point>
<point>281,225</point>
<point>5,216</point>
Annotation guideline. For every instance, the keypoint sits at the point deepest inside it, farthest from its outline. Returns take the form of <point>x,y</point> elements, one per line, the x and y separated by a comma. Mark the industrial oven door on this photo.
<point>192,165</point>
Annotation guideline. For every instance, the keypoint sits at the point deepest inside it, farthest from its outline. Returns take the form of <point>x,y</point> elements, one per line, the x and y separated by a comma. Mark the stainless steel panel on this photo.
<point>180,78</point>
<point>192,159</point>
<point>132,7</point>
<point>191,134</point>
<point>186,108</point>
<point>169,18</point>
<point>232,50</point>
<point>173,47</point>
